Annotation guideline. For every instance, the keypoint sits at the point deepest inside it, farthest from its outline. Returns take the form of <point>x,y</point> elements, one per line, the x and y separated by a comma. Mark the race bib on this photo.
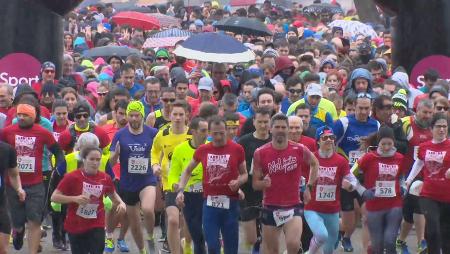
<point>88,211</point>
<point>26,164</point>
<point>385,189</point>
<point>416,152</point>
<point>137,165</point>
<point>326,193</point>
<point>218,201</point>
<point>282,216</point>
<point>198,187</point>
<point>354,156</point>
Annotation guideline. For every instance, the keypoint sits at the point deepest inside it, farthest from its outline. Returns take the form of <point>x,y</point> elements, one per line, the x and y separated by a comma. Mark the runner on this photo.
<point>434,157</point>
<point>83,191</point>
<point>160,118</point>
<point>250,212</point>
<point>381,173</point>
<point>137,181</point>
<point>60,118</point>
<point>165,141</point>
<point>8,169</point>
<point>225,170</point>
<point>417,130</point>
<point>68,138</point>
<point>349,131</point>
<point>120,121</point>
<point>278,176</point>
<point>193,193</point>
<point>29,139</point>
<point>322,212</point>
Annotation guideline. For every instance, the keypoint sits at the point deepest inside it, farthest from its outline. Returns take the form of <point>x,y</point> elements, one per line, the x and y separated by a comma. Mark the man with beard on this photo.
<point>417,130</point>
<point>278,176</point>
<point>29,138</point>
<point>137,181</point>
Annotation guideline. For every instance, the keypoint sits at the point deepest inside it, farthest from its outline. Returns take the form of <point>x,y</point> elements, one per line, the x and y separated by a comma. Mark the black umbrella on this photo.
<point>322,9</point>
<point>243,25</point>
<point>120,51</point>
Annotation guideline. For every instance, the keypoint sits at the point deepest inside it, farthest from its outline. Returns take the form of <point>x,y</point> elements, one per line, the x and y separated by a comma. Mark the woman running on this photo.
<point>380,173</point>
<point>434,159</point>
<point>83,191</point>
<point>322,212</point>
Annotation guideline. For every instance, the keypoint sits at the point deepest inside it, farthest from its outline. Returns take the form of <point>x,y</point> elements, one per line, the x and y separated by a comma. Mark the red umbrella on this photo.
<point>136,20</point>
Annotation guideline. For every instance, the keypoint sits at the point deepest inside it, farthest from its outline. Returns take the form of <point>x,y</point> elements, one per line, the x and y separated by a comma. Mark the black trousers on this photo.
<point>90,242</point>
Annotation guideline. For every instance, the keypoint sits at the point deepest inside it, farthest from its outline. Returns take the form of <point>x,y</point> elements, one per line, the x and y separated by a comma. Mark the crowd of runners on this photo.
<point>318,134</point>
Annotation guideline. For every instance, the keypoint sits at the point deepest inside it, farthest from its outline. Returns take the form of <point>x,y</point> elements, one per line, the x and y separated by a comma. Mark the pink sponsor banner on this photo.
<point>440,63</point>
<point>17,68</point>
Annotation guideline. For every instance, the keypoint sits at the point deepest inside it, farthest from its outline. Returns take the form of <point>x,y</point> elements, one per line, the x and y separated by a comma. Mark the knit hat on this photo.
<point>400,99</point>
<point>270,53</point>
<point>385,132</point>
<point>136,106</point>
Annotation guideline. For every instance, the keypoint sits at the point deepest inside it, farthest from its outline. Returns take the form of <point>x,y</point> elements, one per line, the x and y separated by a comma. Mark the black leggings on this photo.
<point>90,242</point>
<point>437,216</point>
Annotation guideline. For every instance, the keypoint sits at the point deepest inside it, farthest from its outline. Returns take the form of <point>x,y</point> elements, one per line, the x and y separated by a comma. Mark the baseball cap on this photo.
<point>323,130</point>
<point>314,89</point>
<point>81,107</point>
<point>48,66</point>
<point>205,83</point>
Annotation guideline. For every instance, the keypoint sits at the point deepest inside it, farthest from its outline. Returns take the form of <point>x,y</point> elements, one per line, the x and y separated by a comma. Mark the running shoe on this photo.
<point>340,234</point>
<point>347,244</point>
<point>18,239</point>
<point>401,247</point>
<point>151,244</point>
<point>109,245</point>
<point>187,247</point>
<point>165,247</point>
<point>65,246</point>
<point>422,247</point>
<point>57,244</point>
<point>123,247</point>
<point>162,238</point>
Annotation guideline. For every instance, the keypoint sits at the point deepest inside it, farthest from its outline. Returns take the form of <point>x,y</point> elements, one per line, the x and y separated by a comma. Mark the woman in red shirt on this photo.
<point>381,174</point>
<point>434,158</point>
<point>83,191</point>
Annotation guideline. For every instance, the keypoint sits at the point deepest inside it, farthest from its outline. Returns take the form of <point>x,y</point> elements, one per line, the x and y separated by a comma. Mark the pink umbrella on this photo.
<point>166,20</point>
<point>162,42</point>
<point>136,20</point>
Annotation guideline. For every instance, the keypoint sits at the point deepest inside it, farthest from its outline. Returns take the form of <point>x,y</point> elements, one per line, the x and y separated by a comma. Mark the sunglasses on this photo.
<point>79,116</point>
<point>364,95</point>
<point>102,94</point>
<point>297,91</point>
<point>49,71</point>
<point>166,100</point>
<point>386,106</point>
<point>330,137</point>
<point>441,108</point>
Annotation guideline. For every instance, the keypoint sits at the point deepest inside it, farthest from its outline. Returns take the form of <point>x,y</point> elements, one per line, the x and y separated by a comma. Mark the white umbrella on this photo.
<point>354,28</point>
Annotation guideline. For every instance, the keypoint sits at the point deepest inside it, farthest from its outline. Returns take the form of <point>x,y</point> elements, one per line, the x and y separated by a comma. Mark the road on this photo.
<point>48,248</point>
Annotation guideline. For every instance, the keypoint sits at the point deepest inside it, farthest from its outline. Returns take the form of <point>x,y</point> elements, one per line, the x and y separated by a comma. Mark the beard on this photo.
<point>135,125</point>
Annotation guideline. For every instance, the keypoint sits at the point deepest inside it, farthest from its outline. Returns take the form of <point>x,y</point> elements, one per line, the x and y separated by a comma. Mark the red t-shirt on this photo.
<point>57,130</point>
<point>82,219</point>
<point>65,139</point>
<point>284,168</point>
<point>220,166</point>
<point>12,113</point>
<point>415,137</point>
<point>382,174</point>
<point>310,143</point>
<point>29,145</point>
<point>111,130</point>
<point>436,158</point>
<point>326,193</point>
<point>195,105</point>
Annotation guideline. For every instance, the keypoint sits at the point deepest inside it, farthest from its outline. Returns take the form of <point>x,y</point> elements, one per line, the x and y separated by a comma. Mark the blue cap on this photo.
<point>323,130</point>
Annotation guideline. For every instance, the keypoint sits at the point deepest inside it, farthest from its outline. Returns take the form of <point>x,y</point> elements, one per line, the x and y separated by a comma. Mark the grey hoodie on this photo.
<point>359,73</point>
